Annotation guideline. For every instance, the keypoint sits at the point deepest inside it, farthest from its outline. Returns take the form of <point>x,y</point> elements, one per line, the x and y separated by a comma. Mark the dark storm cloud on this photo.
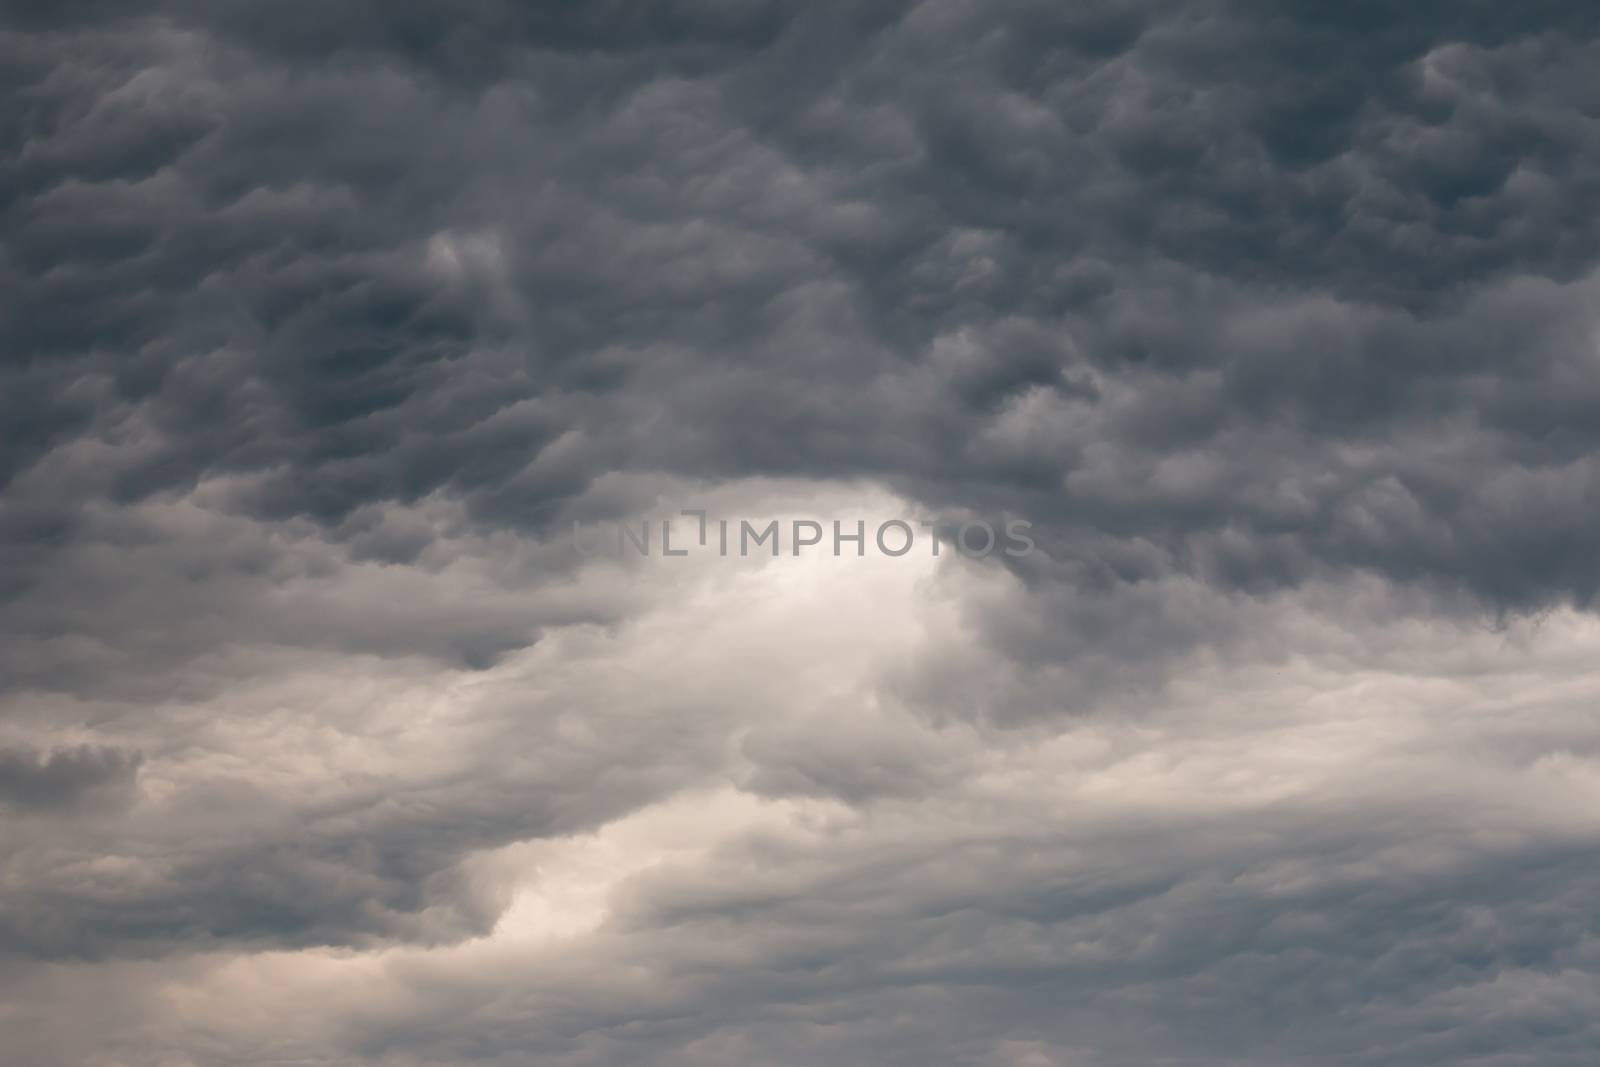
<point>313,248</point>
<point>35,781</point>
<point>1236,926</point>
<point>319,323</point>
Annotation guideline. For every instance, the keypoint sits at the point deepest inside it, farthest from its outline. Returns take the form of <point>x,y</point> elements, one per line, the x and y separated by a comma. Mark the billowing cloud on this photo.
<point>1276,322</point>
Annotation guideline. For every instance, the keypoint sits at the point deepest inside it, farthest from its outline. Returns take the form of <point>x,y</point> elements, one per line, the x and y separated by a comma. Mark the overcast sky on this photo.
<point>323,324</point>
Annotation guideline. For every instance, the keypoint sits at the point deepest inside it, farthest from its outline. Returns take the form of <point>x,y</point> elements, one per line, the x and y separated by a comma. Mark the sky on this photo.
<point>342,725</point>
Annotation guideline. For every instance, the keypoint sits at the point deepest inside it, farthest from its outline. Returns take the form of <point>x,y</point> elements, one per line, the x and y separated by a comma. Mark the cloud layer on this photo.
<point>321,743</point>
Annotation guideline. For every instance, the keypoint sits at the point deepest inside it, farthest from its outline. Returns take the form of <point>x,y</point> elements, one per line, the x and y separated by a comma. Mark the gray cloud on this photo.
<point>35,781</point>
<point>1277,321</point>
<point>335,266</point>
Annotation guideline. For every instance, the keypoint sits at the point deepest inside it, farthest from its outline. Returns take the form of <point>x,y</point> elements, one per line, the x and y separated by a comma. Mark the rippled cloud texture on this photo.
<point>323,324</point>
